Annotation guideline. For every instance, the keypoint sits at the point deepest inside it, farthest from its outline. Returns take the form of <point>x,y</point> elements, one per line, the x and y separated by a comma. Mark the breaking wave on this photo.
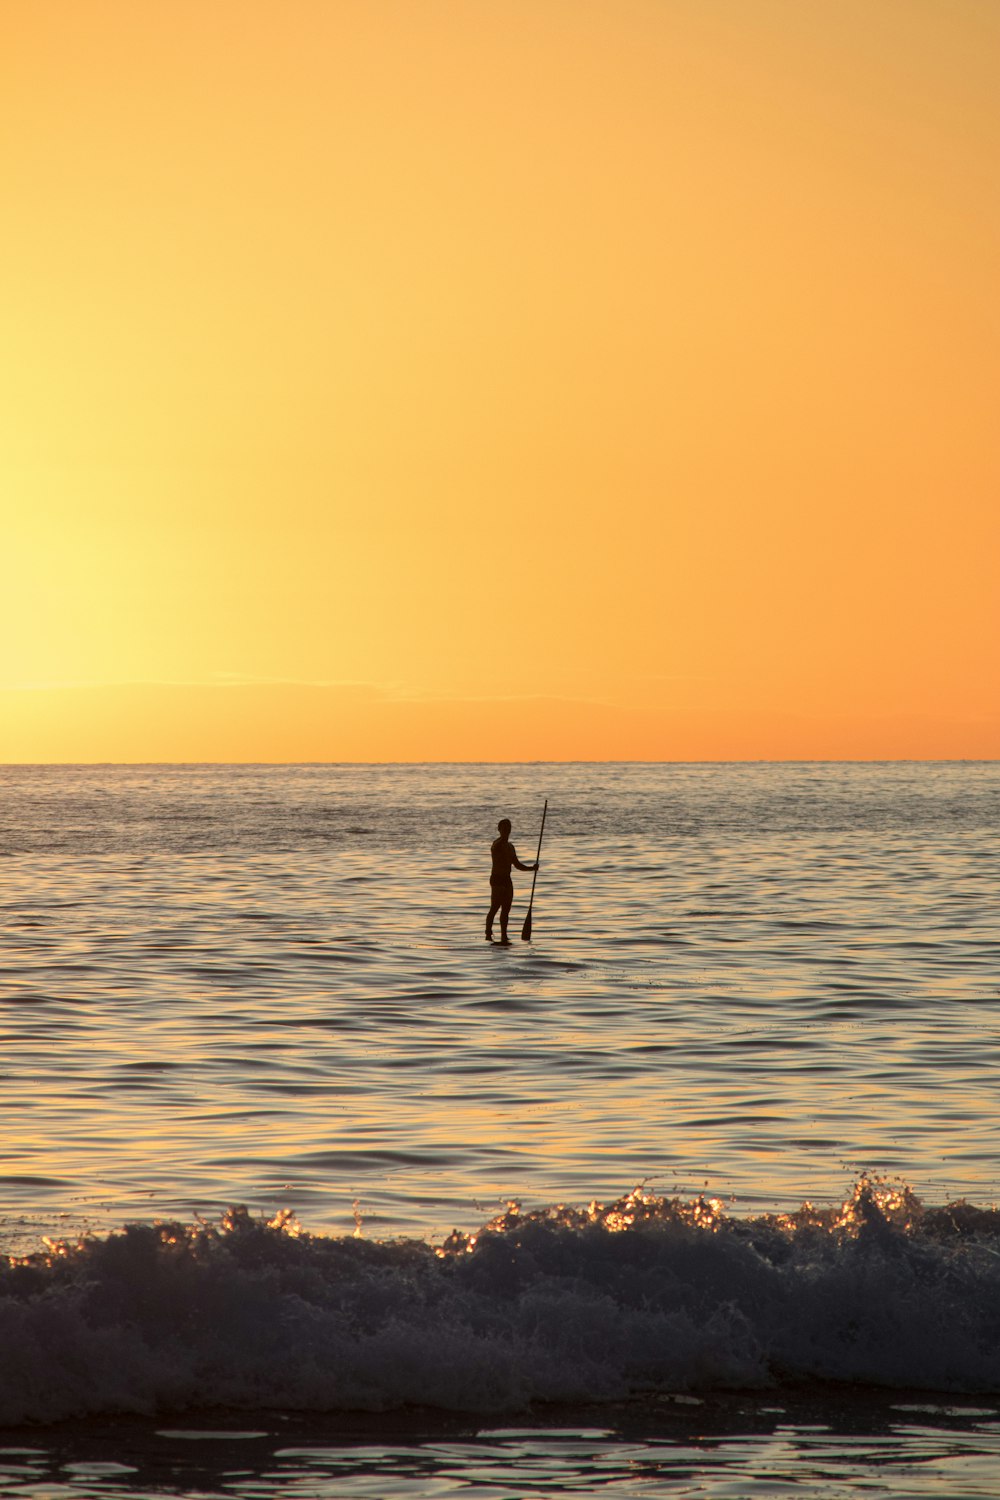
<point>554,1305</point>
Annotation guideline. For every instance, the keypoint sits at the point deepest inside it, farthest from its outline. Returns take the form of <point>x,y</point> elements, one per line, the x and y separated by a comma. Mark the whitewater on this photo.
<point>283,1139</point>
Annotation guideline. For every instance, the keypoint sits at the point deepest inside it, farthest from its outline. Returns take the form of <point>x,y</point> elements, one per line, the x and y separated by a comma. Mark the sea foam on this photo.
<point>554,1305</point>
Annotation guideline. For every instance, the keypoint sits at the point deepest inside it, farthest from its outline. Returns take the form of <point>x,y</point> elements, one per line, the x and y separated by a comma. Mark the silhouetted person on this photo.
<point>501,885</point>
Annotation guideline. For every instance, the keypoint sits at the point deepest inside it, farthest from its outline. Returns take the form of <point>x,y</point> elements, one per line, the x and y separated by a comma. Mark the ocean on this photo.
<point>306,1186</point>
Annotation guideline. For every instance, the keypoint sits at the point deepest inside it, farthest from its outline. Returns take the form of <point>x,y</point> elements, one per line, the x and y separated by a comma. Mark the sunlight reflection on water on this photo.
<point>763,979</point>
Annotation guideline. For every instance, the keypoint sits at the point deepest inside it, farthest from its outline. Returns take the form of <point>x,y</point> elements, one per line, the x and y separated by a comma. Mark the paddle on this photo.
<point>526,929</point>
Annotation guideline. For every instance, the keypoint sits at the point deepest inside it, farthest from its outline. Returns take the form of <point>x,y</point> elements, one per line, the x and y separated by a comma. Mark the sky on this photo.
<point>499,380</point>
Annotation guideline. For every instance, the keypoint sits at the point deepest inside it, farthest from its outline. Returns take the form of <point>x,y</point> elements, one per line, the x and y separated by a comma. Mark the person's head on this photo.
<point>503,827</point>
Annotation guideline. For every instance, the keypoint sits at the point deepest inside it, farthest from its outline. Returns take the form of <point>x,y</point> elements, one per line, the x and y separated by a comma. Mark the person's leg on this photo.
<point>508,898</point>
<point>495,903</point>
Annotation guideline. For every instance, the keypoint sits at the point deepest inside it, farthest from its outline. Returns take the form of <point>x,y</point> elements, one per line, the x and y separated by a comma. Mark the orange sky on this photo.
<point>442,379</point>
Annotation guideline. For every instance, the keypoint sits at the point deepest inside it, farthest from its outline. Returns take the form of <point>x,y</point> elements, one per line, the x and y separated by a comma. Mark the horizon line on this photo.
<point>873,760</point>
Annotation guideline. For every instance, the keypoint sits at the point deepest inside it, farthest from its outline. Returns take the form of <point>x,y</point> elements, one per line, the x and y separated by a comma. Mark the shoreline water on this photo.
<point>857,1443</point>
<point>847,1443</point>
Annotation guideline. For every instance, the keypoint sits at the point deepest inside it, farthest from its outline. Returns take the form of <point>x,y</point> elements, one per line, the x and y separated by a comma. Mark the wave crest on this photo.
<point>559,1304</point>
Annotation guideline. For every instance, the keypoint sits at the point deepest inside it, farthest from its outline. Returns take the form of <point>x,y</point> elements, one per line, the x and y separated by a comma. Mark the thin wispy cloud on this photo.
<point>389,692</point>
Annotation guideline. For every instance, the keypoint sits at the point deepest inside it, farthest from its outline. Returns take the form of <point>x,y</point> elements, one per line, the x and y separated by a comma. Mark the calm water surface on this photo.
<point>269,986</point>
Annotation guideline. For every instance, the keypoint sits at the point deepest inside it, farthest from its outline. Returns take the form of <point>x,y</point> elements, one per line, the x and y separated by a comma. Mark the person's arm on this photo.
<point>517,863</point>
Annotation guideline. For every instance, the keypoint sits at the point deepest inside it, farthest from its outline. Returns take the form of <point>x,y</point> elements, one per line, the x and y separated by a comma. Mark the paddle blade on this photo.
<point>526,929</point>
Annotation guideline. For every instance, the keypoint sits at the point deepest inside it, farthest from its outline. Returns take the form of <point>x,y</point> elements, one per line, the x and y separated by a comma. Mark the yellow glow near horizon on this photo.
<point>456,381</point>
